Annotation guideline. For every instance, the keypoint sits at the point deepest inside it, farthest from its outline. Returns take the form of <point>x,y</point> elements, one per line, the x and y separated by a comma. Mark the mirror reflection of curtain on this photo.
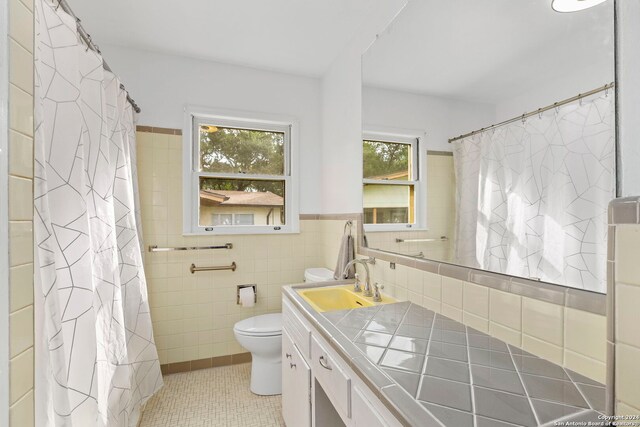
<point>96,360</point>
<point>532,197</point>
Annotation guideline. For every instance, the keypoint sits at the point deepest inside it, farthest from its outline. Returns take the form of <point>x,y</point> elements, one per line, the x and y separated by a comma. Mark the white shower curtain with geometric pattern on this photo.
<point>96,360</point>
<point>532,195</point>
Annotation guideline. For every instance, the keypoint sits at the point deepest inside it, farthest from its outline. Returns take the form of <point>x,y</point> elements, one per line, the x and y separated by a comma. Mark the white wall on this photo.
<point>342,116</point>
<point>440,118</point>
<point>162,85</point>
<point>545,92</point>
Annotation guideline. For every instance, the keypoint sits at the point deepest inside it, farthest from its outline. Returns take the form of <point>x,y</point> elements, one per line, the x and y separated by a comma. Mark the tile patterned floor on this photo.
<point>216,397</point>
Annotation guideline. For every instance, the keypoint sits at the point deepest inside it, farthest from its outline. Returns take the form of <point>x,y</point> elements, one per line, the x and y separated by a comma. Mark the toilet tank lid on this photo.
<point>320,272</point>
<point>260,325</point>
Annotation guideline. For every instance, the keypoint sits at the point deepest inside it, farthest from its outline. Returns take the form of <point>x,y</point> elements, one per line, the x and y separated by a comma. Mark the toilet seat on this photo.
<point>266,325</point>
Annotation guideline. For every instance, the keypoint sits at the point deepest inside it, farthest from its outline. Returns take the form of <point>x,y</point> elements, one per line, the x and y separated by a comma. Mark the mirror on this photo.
<point>527,197</point>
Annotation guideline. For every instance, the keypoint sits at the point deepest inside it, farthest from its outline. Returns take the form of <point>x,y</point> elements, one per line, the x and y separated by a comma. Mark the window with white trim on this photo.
<point>238,176</point>
<point>392,184</point>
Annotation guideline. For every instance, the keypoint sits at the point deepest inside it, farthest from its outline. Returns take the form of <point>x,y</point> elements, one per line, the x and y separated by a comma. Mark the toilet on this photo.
<point>262,336</point>
<point>318,274</point>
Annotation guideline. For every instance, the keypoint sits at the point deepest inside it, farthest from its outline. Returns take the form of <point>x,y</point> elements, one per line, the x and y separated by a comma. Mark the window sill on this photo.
<point>241,233</point>
<point>386,228</point>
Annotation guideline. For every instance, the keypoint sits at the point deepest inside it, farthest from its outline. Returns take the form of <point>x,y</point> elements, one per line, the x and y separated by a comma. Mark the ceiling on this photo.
<point>488,50</point>
<point>293,36</point>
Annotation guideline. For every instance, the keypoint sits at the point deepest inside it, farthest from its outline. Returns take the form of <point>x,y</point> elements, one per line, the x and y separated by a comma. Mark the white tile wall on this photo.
<point>21,213</point>
<point>627,319</point>
<point>543,320</point>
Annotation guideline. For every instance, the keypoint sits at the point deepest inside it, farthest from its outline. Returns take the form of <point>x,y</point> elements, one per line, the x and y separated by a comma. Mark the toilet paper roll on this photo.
<point>247,297</point>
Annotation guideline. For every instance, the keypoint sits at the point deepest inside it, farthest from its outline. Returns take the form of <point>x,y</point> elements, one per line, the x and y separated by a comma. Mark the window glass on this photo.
<point>247,151</point>
<point>226,201</point>
<point>222,219</point>
<point>243,219</point>
<point>386,161</point>
<point>388,204</point>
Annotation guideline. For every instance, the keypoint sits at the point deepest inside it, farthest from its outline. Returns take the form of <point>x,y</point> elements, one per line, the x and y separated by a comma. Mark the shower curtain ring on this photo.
<point>540,113</point>
<point>524,118</point>
<point>556,107</point>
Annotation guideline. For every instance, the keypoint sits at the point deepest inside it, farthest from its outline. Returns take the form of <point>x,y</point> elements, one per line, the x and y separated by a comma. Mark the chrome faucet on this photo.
<point>367,281</point>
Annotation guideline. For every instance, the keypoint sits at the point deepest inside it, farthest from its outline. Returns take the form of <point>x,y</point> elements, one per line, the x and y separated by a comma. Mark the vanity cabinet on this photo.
<point>296,385</point>
<point>319,388</point>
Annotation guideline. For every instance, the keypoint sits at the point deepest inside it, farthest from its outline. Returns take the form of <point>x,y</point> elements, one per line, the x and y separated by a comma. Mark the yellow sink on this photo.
<point>338,298</point>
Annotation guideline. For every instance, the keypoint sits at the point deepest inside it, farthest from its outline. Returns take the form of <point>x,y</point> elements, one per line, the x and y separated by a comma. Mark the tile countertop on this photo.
<point>430,370</point>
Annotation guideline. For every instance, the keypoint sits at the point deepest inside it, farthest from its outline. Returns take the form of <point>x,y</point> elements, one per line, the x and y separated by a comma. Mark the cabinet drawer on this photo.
<point>296,328</point>
<point>333,379</point>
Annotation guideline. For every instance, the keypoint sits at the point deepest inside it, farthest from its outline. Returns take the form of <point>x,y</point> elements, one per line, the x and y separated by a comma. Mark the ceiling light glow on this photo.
<point>574,5</point>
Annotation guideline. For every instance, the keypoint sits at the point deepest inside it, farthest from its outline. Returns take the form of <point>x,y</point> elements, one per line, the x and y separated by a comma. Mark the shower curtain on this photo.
<point>96,360</point>
<point>532,195</point>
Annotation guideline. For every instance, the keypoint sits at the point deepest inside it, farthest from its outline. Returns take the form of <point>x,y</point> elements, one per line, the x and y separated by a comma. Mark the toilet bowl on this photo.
<point>318,274</point>
<point>262,336</point>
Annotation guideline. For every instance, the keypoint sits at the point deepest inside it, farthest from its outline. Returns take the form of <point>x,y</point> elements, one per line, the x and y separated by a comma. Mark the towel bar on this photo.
<point>155,248</point>
<point>231,267</point>
<point>441,239</point>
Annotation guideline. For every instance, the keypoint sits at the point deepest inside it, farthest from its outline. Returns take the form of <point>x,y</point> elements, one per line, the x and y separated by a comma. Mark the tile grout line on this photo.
<point>473,393</point>
<point>579,390</point>
<point>533,410</point>
<point>426,356</point>
<point>559,421</point>
<point>424,369</point>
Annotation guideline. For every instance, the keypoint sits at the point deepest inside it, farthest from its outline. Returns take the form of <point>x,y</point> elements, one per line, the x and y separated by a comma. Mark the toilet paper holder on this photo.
<point>255,292</point>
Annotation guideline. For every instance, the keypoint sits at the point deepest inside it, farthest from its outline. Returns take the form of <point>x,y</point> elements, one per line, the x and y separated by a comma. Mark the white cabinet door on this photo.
<point>363,412</point>
<point>296,385</point>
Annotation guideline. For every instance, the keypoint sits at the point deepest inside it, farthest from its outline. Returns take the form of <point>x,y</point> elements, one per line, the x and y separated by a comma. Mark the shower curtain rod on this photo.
<point>87,38</point>
<point>538,111</point>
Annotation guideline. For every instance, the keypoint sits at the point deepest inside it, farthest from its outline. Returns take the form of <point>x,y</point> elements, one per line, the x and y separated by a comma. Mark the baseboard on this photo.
<point>210,362</point>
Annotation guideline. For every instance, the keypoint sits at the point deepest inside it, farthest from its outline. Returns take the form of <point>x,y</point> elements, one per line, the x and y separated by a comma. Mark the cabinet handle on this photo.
<point>288,355</point>
<point>323,363</point>
<point>292,365</point>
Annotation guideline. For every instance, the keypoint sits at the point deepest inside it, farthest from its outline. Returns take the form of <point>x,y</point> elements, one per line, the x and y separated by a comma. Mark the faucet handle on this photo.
<point>376,293</point>
<point>356,286</point>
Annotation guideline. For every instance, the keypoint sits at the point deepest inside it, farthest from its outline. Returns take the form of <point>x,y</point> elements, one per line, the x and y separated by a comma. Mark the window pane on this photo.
<point>241,202</point>
<point>243,219</point>
<point>230,150</point>
<point>387,160</point>
<point>388,204</point>
<point>222,219</point>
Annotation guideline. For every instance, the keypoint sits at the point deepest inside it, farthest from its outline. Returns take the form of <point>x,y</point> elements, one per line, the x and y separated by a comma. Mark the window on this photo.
<point>238,177</point>
<point>391,182</point>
